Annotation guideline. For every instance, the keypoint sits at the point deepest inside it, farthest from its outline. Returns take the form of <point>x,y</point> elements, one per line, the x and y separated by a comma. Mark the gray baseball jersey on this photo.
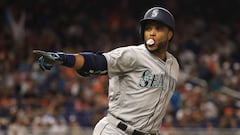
<point>140,85</point>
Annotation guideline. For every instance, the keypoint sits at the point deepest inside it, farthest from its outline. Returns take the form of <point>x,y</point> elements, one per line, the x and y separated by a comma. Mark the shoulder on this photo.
<point>170,56</point>
<point>128,51</point>
<point>122,59</point>
<point>174,65</point>
<point>130,48</point>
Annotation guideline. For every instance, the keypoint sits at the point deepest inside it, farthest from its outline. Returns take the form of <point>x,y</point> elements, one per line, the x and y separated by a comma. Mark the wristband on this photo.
<point>67,59</point>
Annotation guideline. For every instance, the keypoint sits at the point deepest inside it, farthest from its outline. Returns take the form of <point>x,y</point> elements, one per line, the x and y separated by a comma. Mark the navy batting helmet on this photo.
<point>158,14</point>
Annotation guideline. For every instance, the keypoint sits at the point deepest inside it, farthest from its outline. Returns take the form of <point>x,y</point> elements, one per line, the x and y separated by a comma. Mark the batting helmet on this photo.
<point>159,14</point>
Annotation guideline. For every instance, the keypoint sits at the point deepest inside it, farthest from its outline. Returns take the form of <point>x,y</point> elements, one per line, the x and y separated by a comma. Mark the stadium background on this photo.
<point>206,43</point>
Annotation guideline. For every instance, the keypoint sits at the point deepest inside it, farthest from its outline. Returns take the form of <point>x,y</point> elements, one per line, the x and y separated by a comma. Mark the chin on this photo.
<point>152,48</point>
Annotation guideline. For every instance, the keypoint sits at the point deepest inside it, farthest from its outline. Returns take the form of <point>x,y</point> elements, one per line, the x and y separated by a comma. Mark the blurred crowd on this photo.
<point>206,43</point>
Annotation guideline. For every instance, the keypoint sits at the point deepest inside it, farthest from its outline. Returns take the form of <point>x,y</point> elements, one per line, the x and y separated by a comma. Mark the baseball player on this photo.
<point>142,78</point>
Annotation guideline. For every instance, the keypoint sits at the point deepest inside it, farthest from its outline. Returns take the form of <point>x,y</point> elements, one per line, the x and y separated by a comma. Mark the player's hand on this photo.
<point>49,59</point>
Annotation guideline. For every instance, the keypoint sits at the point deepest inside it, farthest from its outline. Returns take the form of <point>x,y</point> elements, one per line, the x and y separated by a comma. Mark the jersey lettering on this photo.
<point>150,80</point>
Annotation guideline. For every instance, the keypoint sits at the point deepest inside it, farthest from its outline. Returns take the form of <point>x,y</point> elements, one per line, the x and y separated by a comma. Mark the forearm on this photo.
<point>75,61</point>
<point>79,61</point>
<point>86,63</point>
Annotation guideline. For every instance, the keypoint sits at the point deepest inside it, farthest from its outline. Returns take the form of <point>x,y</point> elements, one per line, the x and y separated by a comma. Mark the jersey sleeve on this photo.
<point>175,68</point>
<point>121,60</point>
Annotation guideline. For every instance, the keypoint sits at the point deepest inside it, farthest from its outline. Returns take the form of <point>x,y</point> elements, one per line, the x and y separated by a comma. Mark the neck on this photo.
<point>161,55</point>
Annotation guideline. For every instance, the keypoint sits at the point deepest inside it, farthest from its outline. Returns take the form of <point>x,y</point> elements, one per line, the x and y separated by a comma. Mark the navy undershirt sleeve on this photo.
<point>94,64</point>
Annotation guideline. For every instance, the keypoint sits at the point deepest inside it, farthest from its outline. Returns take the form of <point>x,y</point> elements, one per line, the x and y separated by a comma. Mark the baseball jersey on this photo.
<point>140,85</point>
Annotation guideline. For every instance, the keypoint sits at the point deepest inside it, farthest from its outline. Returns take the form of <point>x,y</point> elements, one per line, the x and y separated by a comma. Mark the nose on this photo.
<point>152,32</point>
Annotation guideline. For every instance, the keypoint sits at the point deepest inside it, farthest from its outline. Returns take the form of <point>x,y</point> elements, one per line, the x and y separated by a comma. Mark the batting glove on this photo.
<point>49,59</point>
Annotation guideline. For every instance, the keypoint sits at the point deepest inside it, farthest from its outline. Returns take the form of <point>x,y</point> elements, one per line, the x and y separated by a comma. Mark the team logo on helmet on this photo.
<point>154,12</point>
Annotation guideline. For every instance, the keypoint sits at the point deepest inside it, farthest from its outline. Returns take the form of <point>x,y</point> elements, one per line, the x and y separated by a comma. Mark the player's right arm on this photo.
<point>85,63</point>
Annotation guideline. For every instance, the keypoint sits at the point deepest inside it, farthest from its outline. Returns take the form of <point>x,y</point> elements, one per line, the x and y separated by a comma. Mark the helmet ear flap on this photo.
<point>141,31</point>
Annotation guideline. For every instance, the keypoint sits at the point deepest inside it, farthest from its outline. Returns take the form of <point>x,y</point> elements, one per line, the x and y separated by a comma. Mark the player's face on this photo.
<point>160,34</point>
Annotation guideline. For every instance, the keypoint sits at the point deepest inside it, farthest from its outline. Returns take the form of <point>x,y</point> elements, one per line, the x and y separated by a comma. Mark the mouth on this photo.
<point>150,42</point>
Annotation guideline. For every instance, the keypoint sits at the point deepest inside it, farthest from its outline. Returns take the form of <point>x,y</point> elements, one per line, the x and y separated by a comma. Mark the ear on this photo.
<point>170,35</point>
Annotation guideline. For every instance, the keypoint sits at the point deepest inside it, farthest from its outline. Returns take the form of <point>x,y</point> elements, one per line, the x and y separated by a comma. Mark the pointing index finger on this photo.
<point>42,53</point>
